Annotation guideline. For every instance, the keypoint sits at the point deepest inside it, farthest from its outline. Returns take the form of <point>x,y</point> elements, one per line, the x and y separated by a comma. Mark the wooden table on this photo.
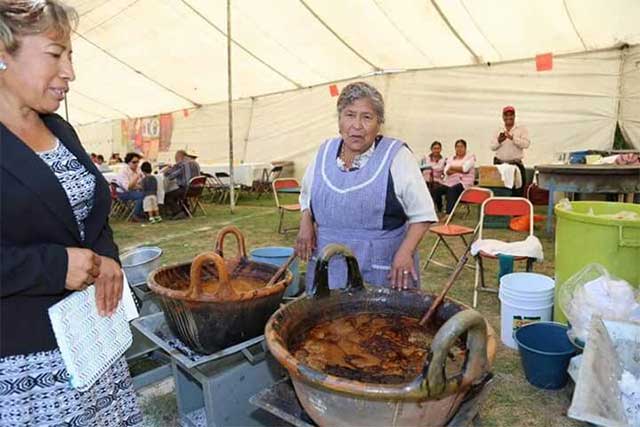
<point>613,179</point>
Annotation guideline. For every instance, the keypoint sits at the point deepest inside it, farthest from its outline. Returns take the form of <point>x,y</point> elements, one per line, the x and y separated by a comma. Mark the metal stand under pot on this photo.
<point>214,390</point>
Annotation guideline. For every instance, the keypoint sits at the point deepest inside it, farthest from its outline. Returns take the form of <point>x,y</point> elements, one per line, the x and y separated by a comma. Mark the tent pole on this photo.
<point>232,201</point>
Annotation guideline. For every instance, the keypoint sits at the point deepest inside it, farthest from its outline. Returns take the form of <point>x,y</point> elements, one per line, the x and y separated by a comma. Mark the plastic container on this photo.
<point>545,352</point>
<point>582,238</point>
<point>278,255</point>
<point>139,262</point>
<point>524,298</point>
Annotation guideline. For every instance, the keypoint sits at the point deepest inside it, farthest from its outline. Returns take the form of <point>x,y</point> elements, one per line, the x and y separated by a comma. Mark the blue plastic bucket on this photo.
<point>545,351</point>
<point>278,255</point>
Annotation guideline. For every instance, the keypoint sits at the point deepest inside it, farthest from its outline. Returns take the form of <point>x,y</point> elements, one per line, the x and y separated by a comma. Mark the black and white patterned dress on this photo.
<point>35,388</point>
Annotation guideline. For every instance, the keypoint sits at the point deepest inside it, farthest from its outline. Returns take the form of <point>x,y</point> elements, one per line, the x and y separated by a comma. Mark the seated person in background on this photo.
<point>434,174</point>
<point>509,143</point>
<point>150,190</point>
<point>101,165</point>
<point>129,184</point>
<point>115,159</point>
<point>459,175</point>
<point>181,173</point>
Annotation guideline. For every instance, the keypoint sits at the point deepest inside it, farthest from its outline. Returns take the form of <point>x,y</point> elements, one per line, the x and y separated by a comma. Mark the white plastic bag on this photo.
<point>593,291</point>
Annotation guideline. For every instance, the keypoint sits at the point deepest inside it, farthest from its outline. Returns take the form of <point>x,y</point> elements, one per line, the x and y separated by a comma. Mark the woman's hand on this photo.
<point>306,241</point>
<point>403,272</point>
<point>108,287</point>
<point>83,267</point>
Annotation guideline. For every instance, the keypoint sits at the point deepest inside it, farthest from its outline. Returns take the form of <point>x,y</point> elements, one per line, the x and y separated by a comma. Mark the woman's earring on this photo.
<point>3,66</point>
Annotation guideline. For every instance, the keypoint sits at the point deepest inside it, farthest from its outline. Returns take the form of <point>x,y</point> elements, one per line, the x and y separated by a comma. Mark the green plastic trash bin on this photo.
<point>584,236</point>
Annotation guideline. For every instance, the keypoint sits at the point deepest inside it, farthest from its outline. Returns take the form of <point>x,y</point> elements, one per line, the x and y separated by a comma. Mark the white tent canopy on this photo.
<point>465,59</point>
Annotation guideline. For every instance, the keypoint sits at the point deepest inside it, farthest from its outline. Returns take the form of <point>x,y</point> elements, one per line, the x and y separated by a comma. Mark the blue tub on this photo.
<point>278,255</point>
<point>545,351</point>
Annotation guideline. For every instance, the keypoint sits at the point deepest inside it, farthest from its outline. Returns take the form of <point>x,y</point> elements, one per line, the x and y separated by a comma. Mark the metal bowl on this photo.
<point>138,263</point>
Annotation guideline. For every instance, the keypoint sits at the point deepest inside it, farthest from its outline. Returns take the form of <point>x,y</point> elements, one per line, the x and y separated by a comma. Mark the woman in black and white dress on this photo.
<point>54,207</point>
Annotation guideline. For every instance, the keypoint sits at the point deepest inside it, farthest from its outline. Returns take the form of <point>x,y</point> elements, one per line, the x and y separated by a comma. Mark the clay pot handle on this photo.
<point>231,229</point>
<point>470,321</point>
<point>196,273</point>
<point>321,277</point>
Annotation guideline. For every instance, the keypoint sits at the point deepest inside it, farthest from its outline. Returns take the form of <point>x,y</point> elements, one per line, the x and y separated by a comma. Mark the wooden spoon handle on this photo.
<point>281,270</point>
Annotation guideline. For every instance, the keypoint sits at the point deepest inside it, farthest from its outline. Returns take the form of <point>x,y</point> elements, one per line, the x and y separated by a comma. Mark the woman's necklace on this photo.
<point>346,159</point>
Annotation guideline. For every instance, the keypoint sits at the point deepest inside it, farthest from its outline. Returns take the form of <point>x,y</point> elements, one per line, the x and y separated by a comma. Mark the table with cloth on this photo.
<point>623,180</point>
<point>243,174</point>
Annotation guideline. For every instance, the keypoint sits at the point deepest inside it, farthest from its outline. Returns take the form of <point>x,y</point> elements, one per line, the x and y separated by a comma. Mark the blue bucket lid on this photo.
<point>272,252</point>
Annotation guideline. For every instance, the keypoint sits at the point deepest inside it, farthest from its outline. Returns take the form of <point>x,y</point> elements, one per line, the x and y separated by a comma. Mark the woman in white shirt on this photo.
<point>433,171</point>
<point>365,191</point>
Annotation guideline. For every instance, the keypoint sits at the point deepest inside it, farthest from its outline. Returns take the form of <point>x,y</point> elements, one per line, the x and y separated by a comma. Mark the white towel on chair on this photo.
<point>510,175</point>
<point>529,247</point>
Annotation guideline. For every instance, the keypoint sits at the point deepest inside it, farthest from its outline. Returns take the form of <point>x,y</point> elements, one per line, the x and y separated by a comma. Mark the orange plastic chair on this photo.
<point>501,206</point>
<point>470,196</point>
<point>282,184</point>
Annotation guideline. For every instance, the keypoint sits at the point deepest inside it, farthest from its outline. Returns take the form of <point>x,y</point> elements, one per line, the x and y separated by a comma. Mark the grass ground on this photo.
<point>513,401</point>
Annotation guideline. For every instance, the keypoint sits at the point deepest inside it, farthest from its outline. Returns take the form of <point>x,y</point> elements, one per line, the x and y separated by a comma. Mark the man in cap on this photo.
<point>181,173</point>
<point>509,143</point>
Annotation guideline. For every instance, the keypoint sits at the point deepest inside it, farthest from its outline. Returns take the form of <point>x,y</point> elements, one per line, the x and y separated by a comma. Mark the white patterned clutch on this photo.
<point>89,343</point>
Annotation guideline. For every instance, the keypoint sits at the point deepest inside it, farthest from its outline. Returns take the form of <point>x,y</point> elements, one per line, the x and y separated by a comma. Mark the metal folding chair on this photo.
<point>224,180</point>
<point>470,196</point>
<point>190,202</point>
<point>263,185</point>
<point>500,206</point>
<point>120,209</point>
<point>280,184</point>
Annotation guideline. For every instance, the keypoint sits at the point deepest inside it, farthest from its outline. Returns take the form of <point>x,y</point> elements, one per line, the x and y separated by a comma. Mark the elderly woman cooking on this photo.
<point>56,238</point>
<point>365,191</point>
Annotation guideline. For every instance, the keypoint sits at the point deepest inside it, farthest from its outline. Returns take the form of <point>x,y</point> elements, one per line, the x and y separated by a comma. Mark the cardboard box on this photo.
<point>489,176</point>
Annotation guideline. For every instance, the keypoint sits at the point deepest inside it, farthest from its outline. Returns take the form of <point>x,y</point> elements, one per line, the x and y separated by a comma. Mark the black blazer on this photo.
<point>36,225</point>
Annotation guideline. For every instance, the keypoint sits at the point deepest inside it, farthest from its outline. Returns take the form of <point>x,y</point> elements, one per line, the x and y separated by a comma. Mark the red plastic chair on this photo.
<point>470,196</point>
<point>500,206</point>
<point>281,184</point>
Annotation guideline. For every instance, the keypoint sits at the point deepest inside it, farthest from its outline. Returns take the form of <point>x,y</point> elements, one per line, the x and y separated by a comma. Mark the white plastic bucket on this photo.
<point>524,298</point>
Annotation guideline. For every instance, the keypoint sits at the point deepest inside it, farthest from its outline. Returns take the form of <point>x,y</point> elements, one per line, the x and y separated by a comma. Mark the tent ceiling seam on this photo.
<point>573,24</point>
<point>242,47</point>
<point>337,36</point>
<point>118,13</point>
<point>407,38</point>
<point>454,32</point>
<point>475,24</point>
<point>93,8</point>
<point>75,92</point>
<point>168,89</point>
<point>83,110</point>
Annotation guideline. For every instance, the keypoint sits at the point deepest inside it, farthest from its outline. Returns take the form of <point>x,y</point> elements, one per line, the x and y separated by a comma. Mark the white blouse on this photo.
<point>408,184</point>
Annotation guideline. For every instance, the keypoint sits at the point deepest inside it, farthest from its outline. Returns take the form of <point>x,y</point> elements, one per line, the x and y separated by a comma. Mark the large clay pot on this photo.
<point>208,322</point>
<point>431,399</point>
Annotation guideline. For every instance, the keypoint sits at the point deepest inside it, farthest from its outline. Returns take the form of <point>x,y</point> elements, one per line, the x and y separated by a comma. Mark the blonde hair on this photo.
<point>27,17</point>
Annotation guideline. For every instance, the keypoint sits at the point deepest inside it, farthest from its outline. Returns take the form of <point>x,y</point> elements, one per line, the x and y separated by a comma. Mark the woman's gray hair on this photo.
<point>361,90</point>
<point>28,17</point>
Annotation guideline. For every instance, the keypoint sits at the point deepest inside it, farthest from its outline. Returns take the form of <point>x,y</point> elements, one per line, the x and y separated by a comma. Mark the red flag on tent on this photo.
<point>185,112</point>
<point>333,90</point>
<point>544,62</point>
